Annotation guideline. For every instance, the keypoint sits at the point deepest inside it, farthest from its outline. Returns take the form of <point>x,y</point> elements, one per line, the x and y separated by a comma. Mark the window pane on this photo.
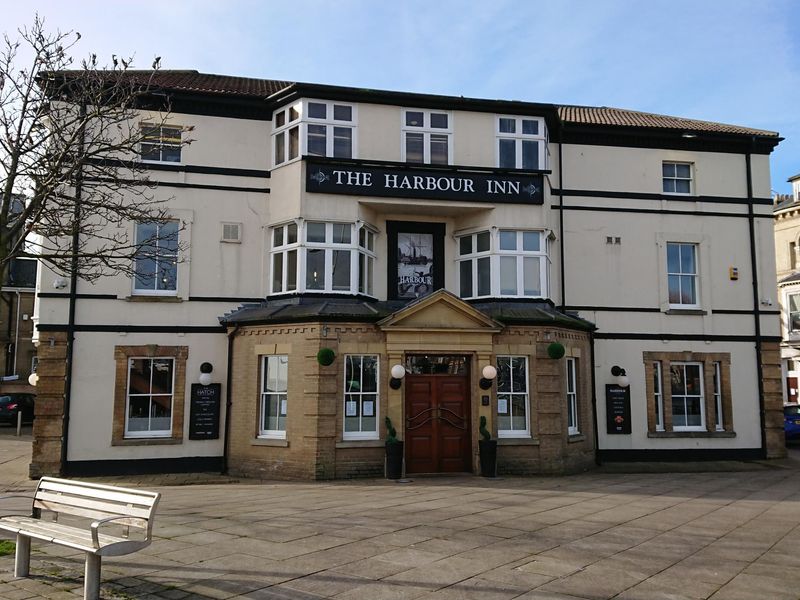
<point>530,154</point>
<point>316,140</point>
<point>794,302</point>
<point>370,278</point>
<point>465,245</point>
<point>678,380</point>
<point>673,258</point>
<point>483,241</point>
<point>674,285</point>
<point>150,151</point>
<point>362,273</point>
<point>669,186</point>
<point>291,270</point>
<point>678,412</point>
<point>171,153</point>
<point>693,379</point>
<point>341,270</point>
<point>693,412</point>
<point>688,295</point>
<point>342,142</point>
<point>294,142</point>
<point>503,374</point>
<point>465,278</point>
<point>519,421</point>
<point>508,240</point>
<point>668,169</point>
<point>315,269</point>
<point>414,118</point>
<point>146,233</point>
<point>162,376</point>
<point>280,119</point>
<point>508,275</point>
<point>294,114</point>
<point>352,412</point>
<point>682,186</point>
<point>316,110</point>
<point>168,236</point>
<point>484,277</point>
<point>280,148</point>
<point>315,232</point>
<point>530,241</point>
<point>683,171</point>
<point>167,276</point>
<point>531,276</point>
<point>507,154</point>
<point>439,120</point>
<point>139,413</point>
<point>519,376</point>
<point>530,127</point>
<point>414,147</point>
<point>277,272</point>
<point>277,236</point>
<point>508,125</point>
<point>291,233</point>
<point>439,154</point>
<point>139,376</point>
<point>342,112</point>
<point>369,383</point>
<point>341,233</point>
<point>145,274</point>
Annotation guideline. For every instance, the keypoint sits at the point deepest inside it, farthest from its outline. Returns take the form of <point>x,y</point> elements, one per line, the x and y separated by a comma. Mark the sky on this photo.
<point>732,61</point>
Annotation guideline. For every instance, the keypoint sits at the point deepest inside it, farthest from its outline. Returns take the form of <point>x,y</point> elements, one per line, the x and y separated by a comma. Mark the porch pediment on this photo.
<point>440,311</point>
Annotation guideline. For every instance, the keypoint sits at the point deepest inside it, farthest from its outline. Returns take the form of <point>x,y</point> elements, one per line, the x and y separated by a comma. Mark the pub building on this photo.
<point>595,282</point>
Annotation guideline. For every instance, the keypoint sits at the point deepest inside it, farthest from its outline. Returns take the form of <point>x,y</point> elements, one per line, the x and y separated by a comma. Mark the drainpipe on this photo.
<point>16,332</point>
<point>73,295</point>
<point>756,303</point>
<point>228,401</point>
<point>561,213</point>
<point>594,402</point>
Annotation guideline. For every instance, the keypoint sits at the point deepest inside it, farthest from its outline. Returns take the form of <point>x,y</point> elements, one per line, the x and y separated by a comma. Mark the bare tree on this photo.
<point>70,138</point>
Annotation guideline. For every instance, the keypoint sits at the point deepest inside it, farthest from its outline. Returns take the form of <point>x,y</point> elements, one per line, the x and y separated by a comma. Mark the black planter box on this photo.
<point>394,460</point>
<point>488,455</point>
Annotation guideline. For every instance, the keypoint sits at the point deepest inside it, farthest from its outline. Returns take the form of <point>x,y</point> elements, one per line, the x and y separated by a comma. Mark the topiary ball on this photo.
<point>325,356</point>
<point>556,350</point>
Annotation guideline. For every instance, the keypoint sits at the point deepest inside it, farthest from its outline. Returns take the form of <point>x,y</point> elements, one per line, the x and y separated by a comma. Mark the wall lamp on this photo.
<point>622,377</point>
<point>488,375</point>
<point>205,373</point>
<point>398,372</point>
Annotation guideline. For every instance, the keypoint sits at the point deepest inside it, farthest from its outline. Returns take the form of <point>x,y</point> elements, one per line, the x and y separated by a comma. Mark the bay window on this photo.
<point>314,128</point>
<point>503,263</point>
<point>317,256</point>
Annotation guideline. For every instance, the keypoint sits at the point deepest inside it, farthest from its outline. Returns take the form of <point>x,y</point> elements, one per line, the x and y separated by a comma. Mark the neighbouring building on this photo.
<point>787,252</point>
<point>597,283</point>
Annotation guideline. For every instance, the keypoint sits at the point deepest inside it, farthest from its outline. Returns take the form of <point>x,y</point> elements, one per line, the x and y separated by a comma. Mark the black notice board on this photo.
<point>618,409</point>
<point>204,411</point>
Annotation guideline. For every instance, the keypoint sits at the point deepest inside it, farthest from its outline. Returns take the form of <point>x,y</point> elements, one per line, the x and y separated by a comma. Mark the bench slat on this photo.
<point>56,532</point>
<point>94,515</point>
<point>89,504</point>
<point>122,495</point>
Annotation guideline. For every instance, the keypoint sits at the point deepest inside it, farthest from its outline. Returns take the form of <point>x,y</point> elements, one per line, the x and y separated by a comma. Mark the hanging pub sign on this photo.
<point>402,182</point>
<point>416,260</point>
<point>618,409</point>
<point>204,411</point>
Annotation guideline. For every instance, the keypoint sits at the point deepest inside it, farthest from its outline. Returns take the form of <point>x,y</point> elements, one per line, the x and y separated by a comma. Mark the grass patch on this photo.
<point>7,547</point>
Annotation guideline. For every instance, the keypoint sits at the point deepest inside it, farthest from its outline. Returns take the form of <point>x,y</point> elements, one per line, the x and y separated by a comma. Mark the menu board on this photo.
<point>618,409</point>
<point>204,411</point>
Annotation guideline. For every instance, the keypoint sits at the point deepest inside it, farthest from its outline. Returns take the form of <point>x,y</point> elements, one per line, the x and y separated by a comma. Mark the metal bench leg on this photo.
<point>22,559</point>
<point>91,577</point>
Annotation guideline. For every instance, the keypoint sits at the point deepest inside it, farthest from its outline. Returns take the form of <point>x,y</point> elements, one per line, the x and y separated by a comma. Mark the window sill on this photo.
<point>521,441</point>
<point>685,311</point>
<point>147,442</point>
<point>153,299</point>
<point>691,434</point>
<point>276,443</point>
<point>575,438</point>
<point>360,444</point>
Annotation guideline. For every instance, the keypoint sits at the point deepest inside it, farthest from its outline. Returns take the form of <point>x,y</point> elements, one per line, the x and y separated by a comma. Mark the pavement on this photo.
<point>722,534</point>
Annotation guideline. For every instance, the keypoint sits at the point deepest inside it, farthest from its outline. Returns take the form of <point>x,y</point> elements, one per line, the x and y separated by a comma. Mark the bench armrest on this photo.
<point>96,526</point>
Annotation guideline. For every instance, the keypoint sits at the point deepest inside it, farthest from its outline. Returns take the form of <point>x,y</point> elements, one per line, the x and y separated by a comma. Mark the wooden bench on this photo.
<point>98,521</point>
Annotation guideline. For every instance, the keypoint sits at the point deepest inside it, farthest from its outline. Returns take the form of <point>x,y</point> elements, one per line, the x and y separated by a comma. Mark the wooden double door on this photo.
<point>437,428</point>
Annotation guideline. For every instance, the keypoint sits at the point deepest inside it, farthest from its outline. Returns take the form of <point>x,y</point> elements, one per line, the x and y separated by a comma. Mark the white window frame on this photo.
<point>658,395</point>
<point>301,123</point>
<point>160,433</point>
<point>161,144</point>
<point>665,178</point>
<point>361,434</point>
<point>789,311</point>
<point>495,254</point>
<point>719,422</point>
<point>302,246</point>
<point>136,291</point>
<point>426,130</point>
<point>516,433</point>
<point>572,396</point>
<point>701,396</point>
<point>696,275</point>
<point>519,137</point>
<point>277,434</point>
